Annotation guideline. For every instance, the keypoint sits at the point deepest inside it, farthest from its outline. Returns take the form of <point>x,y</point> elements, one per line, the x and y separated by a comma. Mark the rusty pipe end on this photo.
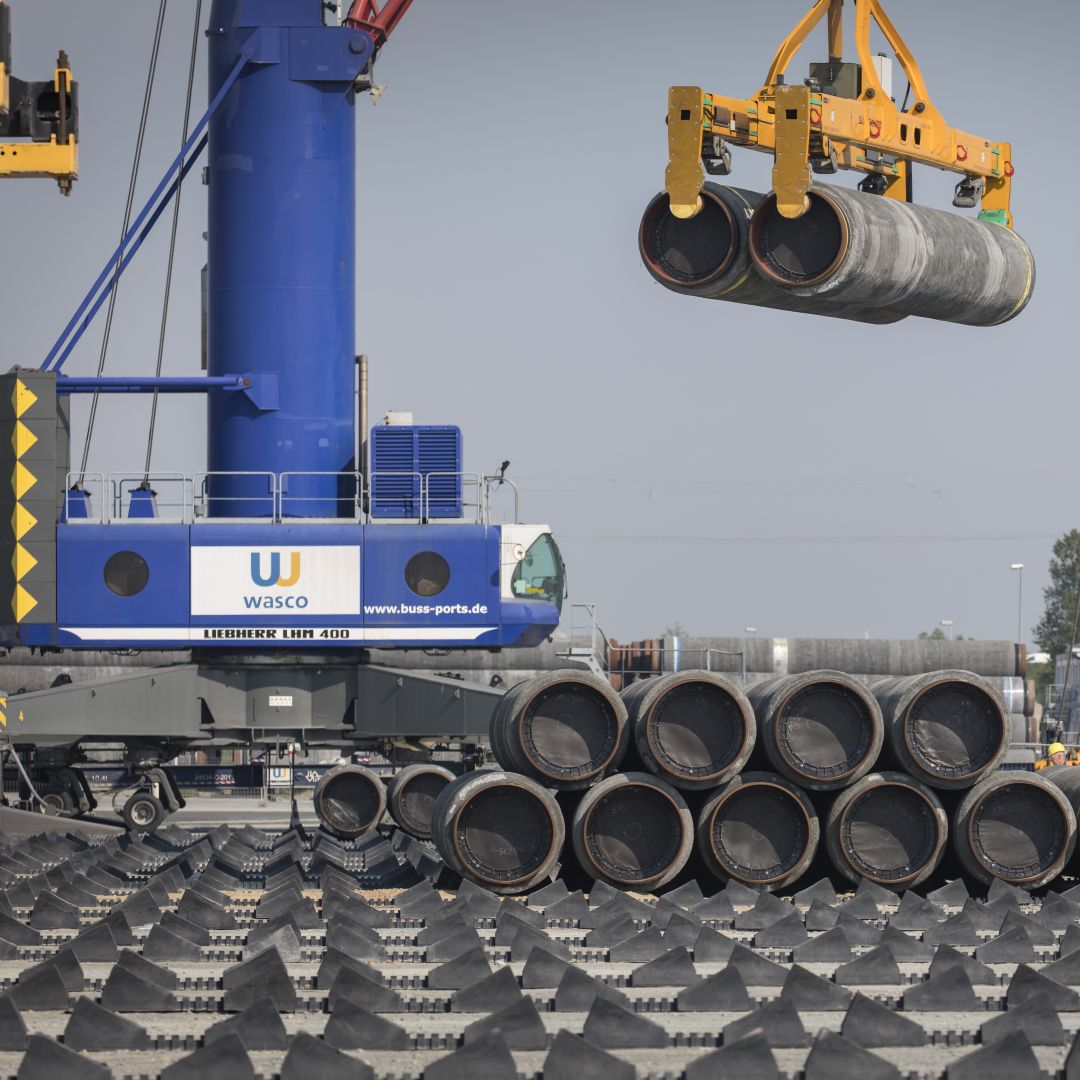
<point>803,251</point>
<point>688,252</point>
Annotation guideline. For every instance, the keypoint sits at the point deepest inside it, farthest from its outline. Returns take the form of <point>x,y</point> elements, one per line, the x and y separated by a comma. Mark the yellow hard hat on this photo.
<point>1055,748</point>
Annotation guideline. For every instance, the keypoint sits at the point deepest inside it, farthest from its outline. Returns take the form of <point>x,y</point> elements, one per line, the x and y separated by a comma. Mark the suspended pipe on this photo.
<point>854,248</point>
<point>709,256</point>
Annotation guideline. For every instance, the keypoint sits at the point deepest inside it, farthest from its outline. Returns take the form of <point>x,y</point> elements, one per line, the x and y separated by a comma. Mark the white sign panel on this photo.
<point>275,582</point>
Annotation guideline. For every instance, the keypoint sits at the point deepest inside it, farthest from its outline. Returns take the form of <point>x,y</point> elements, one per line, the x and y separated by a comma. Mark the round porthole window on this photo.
<point>126,573</point>
<point>427,573</point>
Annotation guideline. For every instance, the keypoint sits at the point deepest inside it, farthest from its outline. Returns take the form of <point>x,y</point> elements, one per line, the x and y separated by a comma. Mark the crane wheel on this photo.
<point>143,812</point>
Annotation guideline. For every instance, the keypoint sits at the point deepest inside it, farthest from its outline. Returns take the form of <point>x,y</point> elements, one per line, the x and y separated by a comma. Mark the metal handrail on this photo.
<point>120,482</point>
<point>357,498</point>
<point>200,498</point>
<point>85,481</point>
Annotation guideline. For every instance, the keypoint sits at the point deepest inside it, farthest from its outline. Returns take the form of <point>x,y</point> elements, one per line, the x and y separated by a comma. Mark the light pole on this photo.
<point>947,623</point>
<point>1019,568</point>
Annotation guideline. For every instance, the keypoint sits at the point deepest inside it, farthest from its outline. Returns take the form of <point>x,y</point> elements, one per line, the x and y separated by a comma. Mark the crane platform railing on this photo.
<point>192,498</point>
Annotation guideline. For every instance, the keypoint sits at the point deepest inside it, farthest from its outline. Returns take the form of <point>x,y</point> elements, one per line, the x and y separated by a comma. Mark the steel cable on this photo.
<point>172,239</point>
<point>147,95</point>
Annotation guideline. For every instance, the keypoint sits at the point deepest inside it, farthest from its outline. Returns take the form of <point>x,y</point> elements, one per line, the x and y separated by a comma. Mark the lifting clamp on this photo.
<point>39,121</point>
<point>842,117</point>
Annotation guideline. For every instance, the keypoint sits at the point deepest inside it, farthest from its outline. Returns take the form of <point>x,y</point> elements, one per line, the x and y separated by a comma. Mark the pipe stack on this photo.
<point>687,771</point>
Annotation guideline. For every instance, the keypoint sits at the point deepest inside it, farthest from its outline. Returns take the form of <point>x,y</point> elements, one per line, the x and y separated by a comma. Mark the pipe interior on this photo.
<point>690,251</point>
<point>799,250</point>
<point>889,833</point>
<point>759,832</point>
<point>349,803</point>
<point>696,729</point>
<point>569,729</point>
<point>417,800</point>
<point>824,730</point>
<point>1018,831</point>
<point>634,833</point>
<point>504,833</point>
<point>954,729</point>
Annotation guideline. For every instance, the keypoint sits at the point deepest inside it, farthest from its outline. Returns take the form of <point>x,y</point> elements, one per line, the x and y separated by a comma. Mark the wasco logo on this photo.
<point>266,573</point>
<point>291,580</point>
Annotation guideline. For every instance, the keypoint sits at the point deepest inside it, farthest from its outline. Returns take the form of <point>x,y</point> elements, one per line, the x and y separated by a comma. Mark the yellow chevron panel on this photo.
<point>22,562</point>
<point>22,480</point>
<point>3,712</point>
<point>22,521</point>
<point>22,438</point>
<point>22,397</point>
<point>23,603</point>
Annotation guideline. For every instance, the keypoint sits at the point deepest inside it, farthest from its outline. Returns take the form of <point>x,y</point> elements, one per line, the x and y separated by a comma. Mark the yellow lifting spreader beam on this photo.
<point>39,121</point>
<point>842,117</point>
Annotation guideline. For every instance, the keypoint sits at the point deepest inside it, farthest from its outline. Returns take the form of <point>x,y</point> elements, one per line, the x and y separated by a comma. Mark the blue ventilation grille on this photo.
<point>401,456</point>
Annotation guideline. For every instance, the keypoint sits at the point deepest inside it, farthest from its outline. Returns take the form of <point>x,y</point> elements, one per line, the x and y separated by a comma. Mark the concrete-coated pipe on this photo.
<point>865,250</point>
<point>565,729</point>
<point>889,828</point>
<point>498,829</point>
<point>349,801</point>
<point>708,256</point>
<point>760,830</point>
<point>633,831</point>
<point>1015,826</point>
<point>411,795</point>
<point>946,728</point>
<point>822,729</point>
<point>694,729</point>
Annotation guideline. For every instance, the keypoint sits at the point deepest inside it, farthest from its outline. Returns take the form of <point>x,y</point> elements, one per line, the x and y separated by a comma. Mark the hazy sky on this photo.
<point>718,465</point>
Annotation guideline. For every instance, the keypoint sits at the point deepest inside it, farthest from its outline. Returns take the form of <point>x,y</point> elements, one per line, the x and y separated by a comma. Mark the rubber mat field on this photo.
<point>238,953</point>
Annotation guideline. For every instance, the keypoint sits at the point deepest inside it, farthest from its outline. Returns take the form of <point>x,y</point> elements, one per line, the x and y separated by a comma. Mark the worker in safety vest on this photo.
<point>1055,755</point>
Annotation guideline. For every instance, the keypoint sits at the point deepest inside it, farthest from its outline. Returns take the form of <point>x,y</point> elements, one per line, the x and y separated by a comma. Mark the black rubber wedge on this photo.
<point>756,970</point>
<point>952,894</point>
<point>203,912</point>
<point>542,970</point>
<point>832,1057</point>
<point>767,910</point>
<point>577,992</point>
<point>674,968</point>
<point>682,929</point>
<point>1028,983</point>
<point>784,934</point>
<point>150,972</point>
<point>465,969</point>
<point>832,947</point>
<point>723,992</point>
<point>352,1027</point>
<point>358,988</point>
<point>857,931</point>
<point>822,890</point>
<point>906,949</point>
<point>491,993</point>
<point>950,991</point>
<point>12,1026</point>
<point>1011,947</point>
<point>712,947</point>
<point>223,1059</point>
<point>42,992</point>
<point>749,1058</point>
<point>91,1027</point>
<point>572,1058</point>
<point>51,913</point>
<point>821,916</point>
<point>96,945</point>
<point>1010,1058</point>
<point>527,939</point>
<point>46,1059</point>
<point>614,1027</point>
<point>258,1027</point>
<point>809,992</point>
<point>1036,1019</point>
<point>66,965</point>
<point>163,944</point>
<point>486,1058</point>
<point>977,972</point>
<point>777,1020</point>
<point>310,1058</point>
<point>640,948</point>
<point>875,968</point>
<point>870,1024</point>
<point>125,991</point>
<point>518,1024</point>
<point>264,975</point>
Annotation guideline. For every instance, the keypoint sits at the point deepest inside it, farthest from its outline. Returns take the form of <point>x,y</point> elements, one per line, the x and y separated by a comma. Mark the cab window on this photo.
<point>540,574</point>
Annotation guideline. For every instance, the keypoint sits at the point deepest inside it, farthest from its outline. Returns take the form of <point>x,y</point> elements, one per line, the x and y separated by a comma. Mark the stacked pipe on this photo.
<point>852,255</point>
<point>688,773</point>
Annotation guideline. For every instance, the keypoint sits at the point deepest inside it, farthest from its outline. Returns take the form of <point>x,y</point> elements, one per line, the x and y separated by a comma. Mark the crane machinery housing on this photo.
<point>282,562</point>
